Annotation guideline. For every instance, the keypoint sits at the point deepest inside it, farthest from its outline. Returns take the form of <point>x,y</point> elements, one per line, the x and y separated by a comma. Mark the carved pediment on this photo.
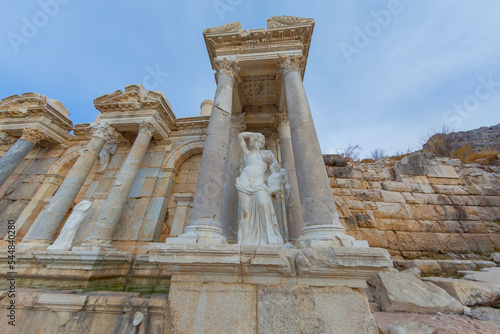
<point>30,106</point>
<point>226,28</point>
<point>288,21</point>
<point>134,97</point>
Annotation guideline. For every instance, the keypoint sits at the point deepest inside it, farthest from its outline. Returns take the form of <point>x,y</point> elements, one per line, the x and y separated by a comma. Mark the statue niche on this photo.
<point>257,223</point>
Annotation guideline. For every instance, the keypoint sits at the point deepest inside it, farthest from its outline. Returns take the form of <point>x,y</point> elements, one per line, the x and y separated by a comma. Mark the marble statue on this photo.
<point>65,239</point>
<point>257,223</point>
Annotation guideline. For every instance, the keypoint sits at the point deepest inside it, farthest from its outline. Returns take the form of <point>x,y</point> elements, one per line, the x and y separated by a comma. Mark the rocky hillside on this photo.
<point>478,140</point>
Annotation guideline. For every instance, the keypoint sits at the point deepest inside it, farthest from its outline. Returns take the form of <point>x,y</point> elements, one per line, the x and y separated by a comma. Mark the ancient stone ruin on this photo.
<point>230,222</point>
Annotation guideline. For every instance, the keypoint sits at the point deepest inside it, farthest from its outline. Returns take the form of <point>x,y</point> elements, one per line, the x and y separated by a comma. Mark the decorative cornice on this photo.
<point>238,121</point>
<point>281,119</point>
<point>33,135</point>
<point>102,130</point>
<point>227,66</point>
<point>147,128</point>
<point>291,63</point>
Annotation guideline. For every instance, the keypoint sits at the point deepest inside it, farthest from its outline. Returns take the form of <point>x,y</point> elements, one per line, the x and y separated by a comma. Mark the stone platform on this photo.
<point>266,289</point>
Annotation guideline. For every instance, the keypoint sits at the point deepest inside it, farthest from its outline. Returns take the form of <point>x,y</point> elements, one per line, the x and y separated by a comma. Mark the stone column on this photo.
<point>13,157</point>
<point>53,216</point>
<point>205,226</point>
<point>112,209</point>
<point>184,205</point>
<point>229,218</point>
<point>320,215</point>
<point>294,218</point>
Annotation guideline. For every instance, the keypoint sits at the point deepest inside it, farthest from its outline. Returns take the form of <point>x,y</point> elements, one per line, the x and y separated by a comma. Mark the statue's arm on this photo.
<point>241,141</point>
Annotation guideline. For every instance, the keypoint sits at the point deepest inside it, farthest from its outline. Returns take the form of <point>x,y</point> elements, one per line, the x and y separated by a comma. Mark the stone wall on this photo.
<point>415,208</point>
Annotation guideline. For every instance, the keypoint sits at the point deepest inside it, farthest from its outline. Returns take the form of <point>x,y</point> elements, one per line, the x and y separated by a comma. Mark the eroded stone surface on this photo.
<point>468,292</point>
<point>404,292</point>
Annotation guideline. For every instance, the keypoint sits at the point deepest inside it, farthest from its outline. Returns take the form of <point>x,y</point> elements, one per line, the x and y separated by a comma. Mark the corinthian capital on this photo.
<point>147,128</point>
<point>227,66</point>
<point>33,135</point>
<point>281,119</point>
<point>290,63</point>
<point>102,130</point>
<point>239,122</point>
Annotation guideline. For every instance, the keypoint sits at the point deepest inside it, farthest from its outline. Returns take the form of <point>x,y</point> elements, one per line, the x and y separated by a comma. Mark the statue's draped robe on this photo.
<point>257,220</point>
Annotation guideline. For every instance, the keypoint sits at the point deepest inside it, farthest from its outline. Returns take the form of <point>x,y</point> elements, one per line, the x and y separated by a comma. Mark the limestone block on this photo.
<point>451,267</point>
<point>374,237</point>
<point>396,186</point>
<point>450,190</point>
<point>376,185</point>
<point>436,199</point>
<point>451,242</point>
<point>391,211</point>
<point>426,212</point>
<point>157,159</point>
<point>212,308</point>
<point>484,313</point>
<point>419,241</point>
<point>425,188</point>
<point>341,191</point>
<point>495,257</point>
<point>392,197</point>
<point>440,171</point>
<point>24,191</point>
<point>429,267</point>
<point>404,292</point>
<point>154,219</point>
<point>439,323</point>
<point>351,183</point>
<point>409,198</point>
<point>468,292</point>
<point>300,309</point>
<point>367,195</point>
<point>409,169</point>
<point>487,275</point>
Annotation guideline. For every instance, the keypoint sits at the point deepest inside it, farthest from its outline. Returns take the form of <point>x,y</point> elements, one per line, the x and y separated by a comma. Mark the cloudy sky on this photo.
<point>380,74</point>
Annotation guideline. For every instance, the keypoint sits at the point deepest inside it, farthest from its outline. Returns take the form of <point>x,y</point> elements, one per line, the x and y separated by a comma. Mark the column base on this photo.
<point>325,236</point>
<point>94,245</point>
<point>199,234</point>
<point>32,245</point>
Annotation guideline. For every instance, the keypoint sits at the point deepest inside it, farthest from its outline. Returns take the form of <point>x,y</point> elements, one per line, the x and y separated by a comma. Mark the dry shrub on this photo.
<point>485,157</point>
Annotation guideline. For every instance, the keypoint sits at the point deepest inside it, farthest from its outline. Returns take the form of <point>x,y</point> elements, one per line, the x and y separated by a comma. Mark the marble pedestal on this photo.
<point>268,289</point>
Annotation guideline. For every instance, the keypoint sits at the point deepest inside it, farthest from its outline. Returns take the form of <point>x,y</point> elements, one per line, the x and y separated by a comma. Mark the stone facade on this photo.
<point>156,251</point>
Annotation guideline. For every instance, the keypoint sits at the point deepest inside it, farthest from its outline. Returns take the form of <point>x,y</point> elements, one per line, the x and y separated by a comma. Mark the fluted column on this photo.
<point>205,226</point>
<point>320,215</point>
<point>229,218</point>
<point>294,218</point>
<point>112,209</point>
<point>53,216</point>
<point>13,157</point>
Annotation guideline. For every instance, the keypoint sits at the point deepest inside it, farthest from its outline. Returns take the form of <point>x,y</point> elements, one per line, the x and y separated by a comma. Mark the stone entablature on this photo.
<point>126,110</point>
<point>37,112</point>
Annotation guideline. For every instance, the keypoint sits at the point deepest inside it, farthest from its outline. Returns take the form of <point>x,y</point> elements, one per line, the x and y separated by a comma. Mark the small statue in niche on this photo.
<point>257,223</point>
<point>65,239</point>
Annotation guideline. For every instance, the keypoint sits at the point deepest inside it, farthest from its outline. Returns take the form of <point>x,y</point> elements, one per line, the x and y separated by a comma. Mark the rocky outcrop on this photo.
<point>478,139</point>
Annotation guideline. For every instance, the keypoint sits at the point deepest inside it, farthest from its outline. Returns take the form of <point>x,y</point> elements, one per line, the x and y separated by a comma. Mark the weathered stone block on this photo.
<point>469,293</point>
<point>392,197</point>
<point>299,309</point>
<point>404,292</point>
<point>213,308</point>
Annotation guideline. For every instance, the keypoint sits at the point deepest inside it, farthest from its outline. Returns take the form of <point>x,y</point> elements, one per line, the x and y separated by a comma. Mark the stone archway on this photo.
<point>180,200</point>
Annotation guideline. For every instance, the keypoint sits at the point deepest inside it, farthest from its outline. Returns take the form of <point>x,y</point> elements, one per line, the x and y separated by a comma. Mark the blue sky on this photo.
<point>380,74</point>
